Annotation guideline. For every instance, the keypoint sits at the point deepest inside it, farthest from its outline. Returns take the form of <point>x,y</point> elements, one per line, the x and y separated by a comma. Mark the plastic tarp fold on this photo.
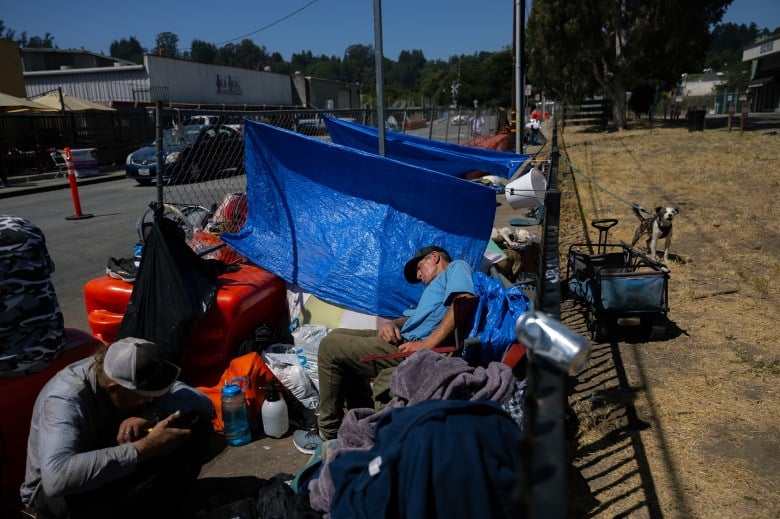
<point>341,223</point>
<point>444,157</point>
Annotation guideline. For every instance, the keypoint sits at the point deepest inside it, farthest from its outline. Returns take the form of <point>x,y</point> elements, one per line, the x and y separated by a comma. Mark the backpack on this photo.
<point>258,377</point>
<point>32,329</point>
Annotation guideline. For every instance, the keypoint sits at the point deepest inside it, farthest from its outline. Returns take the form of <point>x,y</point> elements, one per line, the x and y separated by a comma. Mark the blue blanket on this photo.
<point>341,223</point>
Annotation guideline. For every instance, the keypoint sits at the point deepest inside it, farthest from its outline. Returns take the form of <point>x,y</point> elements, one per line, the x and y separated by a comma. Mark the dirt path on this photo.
<point>683,423</point>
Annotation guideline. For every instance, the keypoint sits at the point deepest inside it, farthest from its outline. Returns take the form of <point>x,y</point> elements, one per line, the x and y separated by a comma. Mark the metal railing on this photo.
<point>545,452</point>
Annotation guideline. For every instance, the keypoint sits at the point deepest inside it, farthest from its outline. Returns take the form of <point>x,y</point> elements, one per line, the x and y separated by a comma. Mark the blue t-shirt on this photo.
<point>436,299</point>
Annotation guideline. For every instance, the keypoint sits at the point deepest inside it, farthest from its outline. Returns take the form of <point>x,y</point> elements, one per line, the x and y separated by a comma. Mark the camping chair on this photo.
<point>464,309</point>
<point>59,163</point>
<point>529,222</point>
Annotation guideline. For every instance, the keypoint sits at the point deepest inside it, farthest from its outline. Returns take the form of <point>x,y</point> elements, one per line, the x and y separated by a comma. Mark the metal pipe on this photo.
<point>519,4</point>
<point>158,132</point>
<point>380,92</point>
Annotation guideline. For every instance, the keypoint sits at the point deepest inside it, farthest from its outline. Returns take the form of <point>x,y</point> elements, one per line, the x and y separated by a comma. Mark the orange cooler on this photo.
<point>246,299</point>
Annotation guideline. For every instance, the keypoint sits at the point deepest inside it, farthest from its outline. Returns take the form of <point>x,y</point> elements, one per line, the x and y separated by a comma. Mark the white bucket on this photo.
<point>528,190</point>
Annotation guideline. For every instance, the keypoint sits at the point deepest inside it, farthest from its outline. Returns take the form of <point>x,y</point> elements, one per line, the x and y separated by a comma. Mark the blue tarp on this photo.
<point>444,157</point>
<point>341,223</point>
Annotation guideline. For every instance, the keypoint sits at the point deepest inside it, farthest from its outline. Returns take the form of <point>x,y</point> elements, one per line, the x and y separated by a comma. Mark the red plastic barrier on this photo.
<point>415,124</point>
<point>245,299</point>
<point>500,142</point>
<point>16,407</point>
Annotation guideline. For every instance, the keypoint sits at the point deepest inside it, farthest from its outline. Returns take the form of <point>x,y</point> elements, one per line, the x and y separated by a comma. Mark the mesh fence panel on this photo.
<point>212,167</point>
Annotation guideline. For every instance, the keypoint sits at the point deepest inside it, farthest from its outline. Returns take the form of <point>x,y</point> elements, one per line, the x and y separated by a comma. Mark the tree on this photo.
<point>5,33</point>
<point>410,65</point>
<point>127,49</point>
<point>166,44</point>
<point>278,65</point>
<point>203,52</point>
<point>251,56</point>
<point>325,67</point>
<point>728,39</point>
<point>586,48</point>
<point>37,42</point>
<point>358,64</point>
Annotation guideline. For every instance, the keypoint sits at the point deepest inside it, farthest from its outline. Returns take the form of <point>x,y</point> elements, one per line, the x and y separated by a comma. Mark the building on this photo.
<point>764,87</point>
<point>326,94</point>
<point>176,83</point>
<point>701,84</point>
<point>11,80</point>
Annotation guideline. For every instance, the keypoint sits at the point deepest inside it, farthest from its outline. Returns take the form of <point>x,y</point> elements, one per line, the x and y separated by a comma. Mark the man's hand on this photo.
<point>133,428</point>
<point>162,439</point>
<point>413,346</point>
<point>390,333</point>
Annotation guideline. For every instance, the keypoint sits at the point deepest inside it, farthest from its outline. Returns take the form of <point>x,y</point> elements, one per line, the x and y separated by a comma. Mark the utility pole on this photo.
<point>380,91</point>
<point>519,19</point>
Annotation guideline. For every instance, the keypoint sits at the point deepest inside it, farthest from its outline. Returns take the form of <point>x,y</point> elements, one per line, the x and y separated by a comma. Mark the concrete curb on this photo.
<point>49,181</point>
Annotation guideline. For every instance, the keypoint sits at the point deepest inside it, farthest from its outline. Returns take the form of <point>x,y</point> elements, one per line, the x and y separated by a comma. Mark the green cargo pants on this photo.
<point>343,378</point>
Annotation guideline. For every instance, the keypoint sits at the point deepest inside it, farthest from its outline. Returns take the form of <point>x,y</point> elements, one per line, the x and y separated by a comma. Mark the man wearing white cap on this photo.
<point>113,433</point>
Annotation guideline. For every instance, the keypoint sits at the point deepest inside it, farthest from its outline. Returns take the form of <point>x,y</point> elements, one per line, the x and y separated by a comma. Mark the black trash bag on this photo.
<point>173,290</point>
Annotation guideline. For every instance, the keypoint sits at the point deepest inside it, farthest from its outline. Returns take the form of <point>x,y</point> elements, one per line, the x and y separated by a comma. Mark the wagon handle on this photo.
<point>603,225</point>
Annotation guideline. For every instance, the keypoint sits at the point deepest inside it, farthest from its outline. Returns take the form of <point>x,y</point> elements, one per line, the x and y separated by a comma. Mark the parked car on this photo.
<point>191,153</point>
<point>232,122</point>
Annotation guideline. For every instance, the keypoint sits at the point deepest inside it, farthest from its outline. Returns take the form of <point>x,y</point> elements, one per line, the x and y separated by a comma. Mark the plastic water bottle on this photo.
<point>274,414</point>
<point>235,414</point>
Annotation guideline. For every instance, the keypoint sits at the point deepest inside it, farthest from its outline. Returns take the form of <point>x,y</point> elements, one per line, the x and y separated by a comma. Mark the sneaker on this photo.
<point>124,269</point>
<point>307,441</point>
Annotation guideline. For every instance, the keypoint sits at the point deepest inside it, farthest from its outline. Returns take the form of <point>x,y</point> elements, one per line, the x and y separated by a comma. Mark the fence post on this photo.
<point>546,448</point>
<point>74,189</point>
<point>158,135</point>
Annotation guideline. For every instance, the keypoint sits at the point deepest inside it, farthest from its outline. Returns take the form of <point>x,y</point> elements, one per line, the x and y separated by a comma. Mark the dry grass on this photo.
<point>685,425</point>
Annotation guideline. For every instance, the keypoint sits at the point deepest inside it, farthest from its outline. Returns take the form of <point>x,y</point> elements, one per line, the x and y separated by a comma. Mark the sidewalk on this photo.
<point>48,181</point>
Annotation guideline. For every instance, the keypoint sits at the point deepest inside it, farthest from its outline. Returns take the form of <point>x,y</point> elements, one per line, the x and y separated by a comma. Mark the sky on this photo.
<point>440,28</point>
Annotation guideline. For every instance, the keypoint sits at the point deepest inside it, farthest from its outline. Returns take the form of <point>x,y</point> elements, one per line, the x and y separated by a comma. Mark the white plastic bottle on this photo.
<point>274,414</point>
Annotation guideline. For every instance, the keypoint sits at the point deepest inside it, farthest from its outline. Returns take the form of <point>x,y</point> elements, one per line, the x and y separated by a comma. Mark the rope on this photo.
<point>630,204</point>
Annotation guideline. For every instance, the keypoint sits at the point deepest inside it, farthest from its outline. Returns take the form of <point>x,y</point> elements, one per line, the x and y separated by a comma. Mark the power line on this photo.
<point>269,25</point>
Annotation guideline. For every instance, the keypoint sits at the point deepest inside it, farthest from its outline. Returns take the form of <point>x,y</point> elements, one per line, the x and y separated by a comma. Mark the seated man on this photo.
<point>344,379</point>
<point>96,446</point>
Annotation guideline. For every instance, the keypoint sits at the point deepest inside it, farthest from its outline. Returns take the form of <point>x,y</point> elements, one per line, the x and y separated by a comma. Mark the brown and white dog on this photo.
<point>657,227</point>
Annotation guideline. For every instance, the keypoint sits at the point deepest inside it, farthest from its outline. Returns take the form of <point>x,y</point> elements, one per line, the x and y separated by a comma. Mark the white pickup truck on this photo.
<point>212,119</point>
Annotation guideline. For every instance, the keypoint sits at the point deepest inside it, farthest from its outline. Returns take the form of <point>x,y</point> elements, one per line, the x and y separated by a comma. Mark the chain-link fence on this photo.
<point>202,152</point>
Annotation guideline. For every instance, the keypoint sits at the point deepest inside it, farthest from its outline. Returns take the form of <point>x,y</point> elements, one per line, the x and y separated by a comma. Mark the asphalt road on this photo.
<point>80,248</point>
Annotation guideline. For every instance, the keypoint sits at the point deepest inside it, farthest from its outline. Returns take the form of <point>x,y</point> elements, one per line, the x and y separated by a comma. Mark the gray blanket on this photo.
<point>424,375</point>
